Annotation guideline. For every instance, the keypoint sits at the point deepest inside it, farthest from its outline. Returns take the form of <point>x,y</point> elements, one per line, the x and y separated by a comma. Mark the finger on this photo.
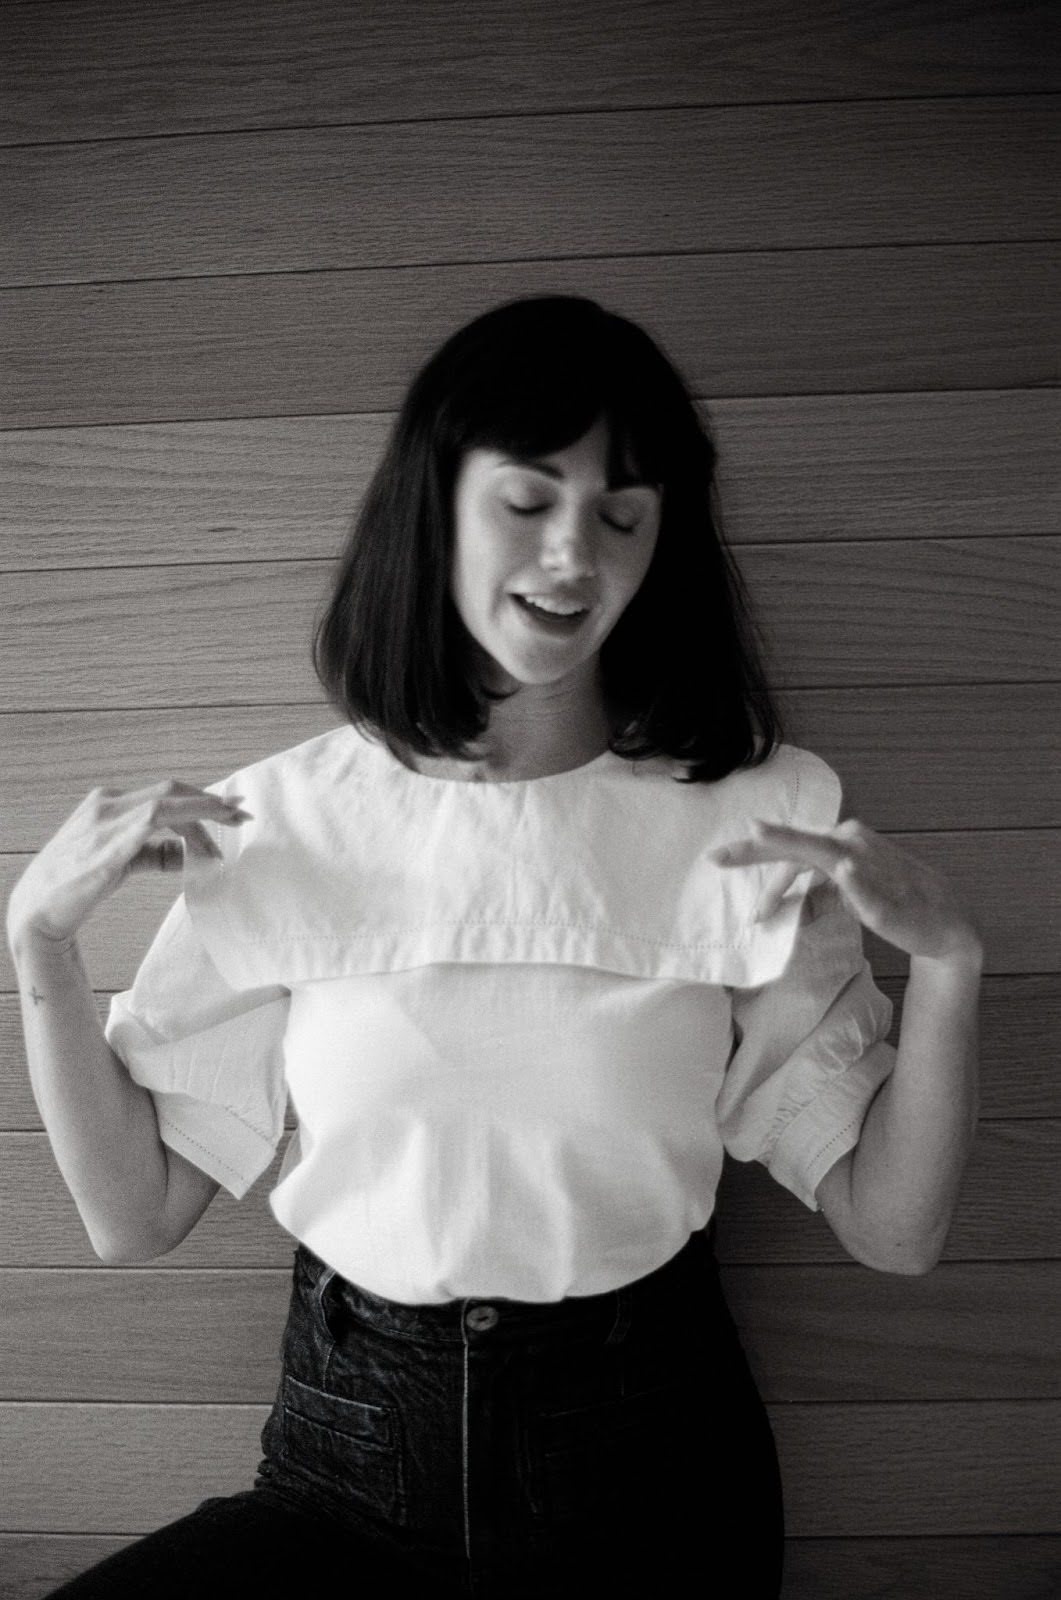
<point>197,842</point>
<point>776,892</point>
<point>168,855</point>
<point>158,855</point>
<point>772,842</point>
<point>171,808</point>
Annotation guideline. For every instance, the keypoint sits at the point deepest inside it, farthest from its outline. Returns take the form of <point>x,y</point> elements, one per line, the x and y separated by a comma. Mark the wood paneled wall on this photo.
<point>231,234</point>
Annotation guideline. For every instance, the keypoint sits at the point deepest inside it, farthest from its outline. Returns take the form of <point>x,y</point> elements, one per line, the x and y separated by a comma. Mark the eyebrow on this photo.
<point>626,481</point>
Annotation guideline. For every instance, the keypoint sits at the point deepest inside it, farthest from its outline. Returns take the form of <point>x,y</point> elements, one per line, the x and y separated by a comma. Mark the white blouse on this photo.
<point>519,1023</point>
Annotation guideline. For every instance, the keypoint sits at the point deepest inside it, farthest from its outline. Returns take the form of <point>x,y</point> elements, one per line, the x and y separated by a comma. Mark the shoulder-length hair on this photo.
<point>531,377</point>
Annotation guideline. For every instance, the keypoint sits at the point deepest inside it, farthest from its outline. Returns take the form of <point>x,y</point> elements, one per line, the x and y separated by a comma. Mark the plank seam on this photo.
<point>537,114</point>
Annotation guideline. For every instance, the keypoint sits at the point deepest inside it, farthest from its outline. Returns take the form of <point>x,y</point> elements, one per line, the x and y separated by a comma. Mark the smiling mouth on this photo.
<point>551,621</point>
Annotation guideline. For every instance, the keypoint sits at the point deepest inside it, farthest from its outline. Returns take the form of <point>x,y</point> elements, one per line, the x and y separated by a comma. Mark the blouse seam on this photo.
<point>167,1122</point>
<point>787,1115</point>
<point>837,1136</point>
<point>577,927</point>
<point>231,1111</point>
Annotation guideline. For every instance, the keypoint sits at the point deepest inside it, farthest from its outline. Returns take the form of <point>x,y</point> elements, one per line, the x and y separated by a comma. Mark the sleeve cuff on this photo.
<point>214,1140</point>
<point>830,1125</point>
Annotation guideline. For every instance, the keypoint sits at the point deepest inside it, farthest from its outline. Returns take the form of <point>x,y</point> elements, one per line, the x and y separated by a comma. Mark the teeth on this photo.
<point>560,608</point>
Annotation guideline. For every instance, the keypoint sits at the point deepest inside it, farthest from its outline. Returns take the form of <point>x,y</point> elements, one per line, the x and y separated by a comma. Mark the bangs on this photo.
<point>528,437</point>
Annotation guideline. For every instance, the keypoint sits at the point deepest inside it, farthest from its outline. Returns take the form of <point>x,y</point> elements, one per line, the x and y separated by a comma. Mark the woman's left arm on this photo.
<point>890,1200</point>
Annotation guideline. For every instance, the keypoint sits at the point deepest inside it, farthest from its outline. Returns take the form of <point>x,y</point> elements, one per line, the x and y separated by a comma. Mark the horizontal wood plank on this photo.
<point>37,1563</point>
<point>906,612</point>
<point>1020,1044</point>
<point>962,1332</point>
<point>76,71</point>
<point>993,1567</point>
<point>812,467</point>
<point>911,1469</point>
<point>1007,1211</point>
<point>744,323</point>
<point>957,756</point>
<point>1006,880</point>
<point>902,1469</point>
<point>989,1568</point>
<point>943,756</point>
<point>839,615</point>
<point>606,183</point>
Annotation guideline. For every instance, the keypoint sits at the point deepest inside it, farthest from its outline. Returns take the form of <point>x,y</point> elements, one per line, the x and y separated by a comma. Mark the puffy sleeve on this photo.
<point>809,1053</point>
<point>211,1055</point>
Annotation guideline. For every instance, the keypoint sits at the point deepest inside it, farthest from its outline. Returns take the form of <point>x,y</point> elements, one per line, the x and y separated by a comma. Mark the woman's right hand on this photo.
<point>109,835</point>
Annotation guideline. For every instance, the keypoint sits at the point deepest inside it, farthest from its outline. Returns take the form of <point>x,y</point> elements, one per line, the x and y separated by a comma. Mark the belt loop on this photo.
<point>320,1291</point>
<point>623,1312</point>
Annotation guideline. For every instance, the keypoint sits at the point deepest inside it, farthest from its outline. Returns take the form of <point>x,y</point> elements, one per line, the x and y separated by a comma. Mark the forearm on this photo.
<point>102,1126</point>
<point>918,1132</point>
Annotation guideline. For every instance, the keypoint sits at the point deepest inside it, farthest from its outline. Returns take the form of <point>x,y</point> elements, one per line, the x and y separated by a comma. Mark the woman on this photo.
<point>548,923</point>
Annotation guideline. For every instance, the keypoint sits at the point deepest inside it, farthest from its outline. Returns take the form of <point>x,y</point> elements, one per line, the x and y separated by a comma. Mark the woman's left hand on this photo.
<point>890,890</point>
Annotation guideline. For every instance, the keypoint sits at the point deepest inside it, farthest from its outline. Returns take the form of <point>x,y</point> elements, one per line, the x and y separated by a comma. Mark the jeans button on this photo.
<point>481,1318</point>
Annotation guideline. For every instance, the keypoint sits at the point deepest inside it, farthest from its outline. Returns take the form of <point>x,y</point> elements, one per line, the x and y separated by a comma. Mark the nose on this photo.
<point>569,547</point>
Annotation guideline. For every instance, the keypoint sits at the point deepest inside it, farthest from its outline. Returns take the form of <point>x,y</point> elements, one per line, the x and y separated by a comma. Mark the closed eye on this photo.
<point>533,511</point>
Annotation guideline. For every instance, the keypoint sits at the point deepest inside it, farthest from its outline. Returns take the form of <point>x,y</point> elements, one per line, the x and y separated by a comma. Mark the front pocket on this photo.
<point>353,1445</point>
<point>611,1455</point>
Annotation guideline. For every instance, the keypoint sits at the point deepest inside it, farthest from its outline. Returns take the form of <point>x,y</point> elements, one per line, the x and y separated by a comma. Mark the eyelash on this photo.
<point>532,511</point>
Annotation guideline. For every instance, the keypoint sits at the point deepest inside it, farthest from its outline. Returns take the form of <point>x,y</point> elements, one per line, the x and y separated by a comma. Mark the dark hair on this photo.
<point>529,378</point>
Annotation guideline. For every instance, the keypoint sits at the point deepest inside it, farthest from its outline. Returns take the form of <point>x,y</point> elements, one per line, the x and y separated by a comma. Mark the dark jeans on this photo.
<point>609,1445</point>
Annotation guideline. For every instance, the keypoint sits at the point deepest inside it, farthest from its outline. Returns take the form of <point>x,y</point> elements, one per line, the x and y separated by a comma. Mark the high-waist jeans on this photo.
<point>492,1449</point>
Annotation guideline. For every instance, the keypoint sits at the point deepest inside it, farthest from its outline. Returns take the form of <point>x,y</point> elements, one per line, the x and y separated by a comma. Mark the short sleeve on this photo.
<point>809,1053</point>
<point>211,1055</point>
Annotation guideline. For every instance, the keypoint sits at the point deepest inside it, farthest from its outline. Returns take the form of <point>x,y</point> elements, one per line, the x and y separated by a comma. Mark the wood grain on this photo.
<point>912,1469</point>
<point>889,1469</point>
<point>982,1331</point>
<point>813,467</point>
<point>519,188</point>
<point>1007,1211</point>
<point>988,1568</point>
<point>71,71</point>
<point>967,316</point>
<point>876,612</point>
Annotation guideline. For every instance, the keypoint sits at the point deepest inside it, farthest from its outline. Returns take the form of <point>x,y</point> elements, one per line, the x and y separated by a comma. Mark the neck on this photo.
<point>540,730</point>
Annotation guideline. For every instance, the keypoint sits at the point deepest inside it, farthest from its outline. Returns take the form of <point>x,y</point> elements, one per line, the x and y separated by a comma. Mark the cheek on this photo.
<point>632,570</point>
<point>483,565</point>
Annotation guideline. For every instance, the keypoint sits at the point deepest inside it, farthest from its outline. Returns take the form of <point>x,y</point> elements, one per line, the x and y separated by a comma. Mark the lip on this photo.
<point>557,596</point>
<point>550,624</point>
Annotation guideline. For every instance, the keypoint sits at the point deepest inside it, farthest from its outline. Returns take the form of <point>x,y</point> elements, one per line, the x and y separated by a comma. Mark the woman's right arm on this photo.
<point>136,1197</point>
